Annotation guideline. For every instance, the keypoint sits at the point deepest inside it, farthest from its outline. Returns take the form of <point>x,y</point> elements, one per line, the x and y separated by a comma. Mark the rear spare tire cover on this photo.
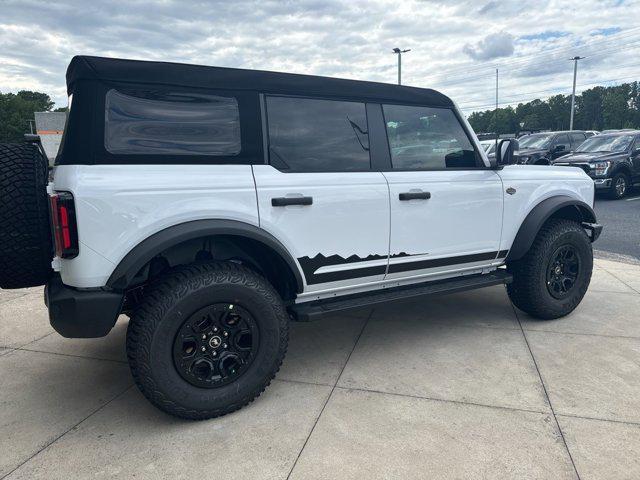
<point>25,237</point>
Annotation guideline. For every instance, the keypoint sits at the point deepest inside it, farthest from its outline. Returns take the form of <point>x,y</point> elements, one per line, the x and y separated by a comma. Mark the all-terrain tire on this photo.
<point>529,290</point>
<point>169,302</point>
<point>25,243</point>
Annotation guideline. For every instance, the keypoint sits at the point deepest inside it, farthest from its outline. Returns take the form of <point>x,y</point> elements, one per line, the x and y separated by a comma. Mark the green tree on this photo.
<point>598,108</point>
<point>560,111</point>
<point>614,109</point>
<point>589,112</point>
<point>480,121</point>
<point>17,109</point>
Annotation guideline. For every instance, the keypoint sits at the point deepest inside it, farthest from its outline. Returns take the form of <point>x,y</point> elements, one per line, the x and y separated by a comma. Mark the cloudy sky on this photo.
<point>455,45</point>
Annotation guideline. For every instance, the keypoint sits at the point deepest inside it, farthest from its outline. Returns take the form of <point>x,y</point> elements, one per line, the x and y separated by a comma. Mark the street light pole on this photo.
<point>573,93</point>
<point>495,115</point>
<point>399,53</point>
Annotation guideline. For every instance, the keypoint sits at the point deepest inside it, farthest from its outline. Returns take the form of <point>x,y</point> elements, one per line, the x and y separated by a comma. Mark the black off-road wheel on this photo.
<point>207,339</point>
<point>25,242</point>
<point>552,278</point>
<point>620,184</point>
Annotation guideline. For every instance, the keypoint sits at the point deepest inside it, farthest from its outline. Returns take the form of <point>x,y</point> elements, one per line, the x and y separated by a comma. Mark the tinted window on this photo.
<point>606,143</point>
<point>171,123</point>
<point>535,141</point>
<point>423,138</point>
<point>562,140</point>
<point>576,139</point>
<point>317,135</point>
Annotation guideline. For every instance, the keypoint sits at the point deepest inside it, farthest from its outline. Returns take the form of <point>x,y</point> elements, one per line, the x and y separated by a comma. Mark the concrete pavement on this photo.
<point>462,386</point>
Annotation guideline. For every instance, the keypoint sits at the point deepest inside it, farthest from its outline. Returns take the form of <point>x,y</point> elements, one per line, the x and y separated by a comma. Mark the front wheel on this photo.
<point>207,339</point>
<point>552,278</point>
<point>619,186</point>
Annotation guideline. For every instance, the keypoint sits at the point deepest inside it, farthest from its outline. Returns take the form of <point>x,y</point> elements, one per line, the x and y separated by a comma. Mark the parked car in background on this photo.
<point>617,130</point>
<point>489,147</point>
<point>591,133</point>
<point>611,159</point>
<point>543,148</point>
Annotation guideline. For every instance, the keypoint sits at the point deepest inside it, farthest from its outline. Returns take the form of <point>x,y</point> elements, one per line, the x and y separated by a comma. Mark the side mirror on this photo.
<point>506,152</point>
<point>559,148</point>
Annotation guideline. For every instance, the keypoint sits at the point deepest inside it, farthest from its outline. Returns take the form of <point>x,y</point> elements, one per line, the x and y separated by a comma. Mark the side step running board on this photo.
<point>312,310</point>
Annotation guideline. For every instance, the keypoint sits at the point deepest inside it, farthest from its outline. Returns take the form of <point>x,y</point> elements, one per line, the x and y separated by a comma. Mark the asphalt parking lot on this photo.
<point>620,238</point>
<point>462,386</point>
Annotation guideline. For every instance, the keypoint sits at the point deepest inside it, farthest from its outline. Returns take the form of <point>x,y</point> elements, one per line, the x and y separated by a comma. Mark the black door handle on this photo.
<point>284,201</point>
<point>415,196</point>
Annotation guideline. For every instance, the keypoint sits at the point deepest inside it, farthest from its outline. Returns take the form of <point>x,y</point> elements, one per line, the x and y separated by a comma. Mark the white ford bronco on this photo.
<point>214,205</point>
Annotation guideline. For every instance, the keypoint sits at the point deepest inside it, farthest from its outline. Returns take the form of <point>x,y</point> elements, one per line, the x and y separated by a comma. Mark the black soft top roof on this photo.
<point>165,73</point>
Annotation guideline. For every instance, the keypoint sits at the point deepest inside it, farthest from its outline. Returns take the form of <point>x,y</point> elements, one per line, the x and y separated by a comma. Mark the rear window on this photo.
<point>171,123</point>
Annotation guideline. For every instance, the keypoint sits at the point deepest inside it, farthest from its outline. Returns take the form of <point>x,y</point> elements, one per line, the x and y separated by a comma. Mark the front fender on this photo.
<point>558,206</point>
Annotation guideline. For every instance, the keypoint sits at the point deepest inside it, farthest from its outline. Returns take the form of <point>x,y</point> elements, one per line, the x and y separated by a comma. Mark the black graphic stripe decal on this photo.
<point>355,272</point>
<point>311,265</point>
<point>444,262</point>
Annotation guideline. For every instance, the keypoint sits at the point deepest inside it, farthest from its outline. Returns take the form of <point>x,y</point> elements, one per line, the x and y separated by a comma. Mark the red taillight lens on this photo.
<point>63,224</point>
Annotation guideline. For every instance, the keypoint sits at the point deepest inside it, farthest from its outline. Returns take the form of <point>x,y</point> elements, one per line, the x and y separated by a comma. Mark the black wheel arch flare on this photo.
<point>121,278</point>
<point>561,206</point>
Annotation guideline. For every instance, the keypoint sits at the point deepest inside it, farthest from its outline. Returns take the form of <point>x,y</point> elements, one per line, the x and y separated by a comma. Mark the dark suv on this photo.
<point>612,160</point>
<point>543,148</point>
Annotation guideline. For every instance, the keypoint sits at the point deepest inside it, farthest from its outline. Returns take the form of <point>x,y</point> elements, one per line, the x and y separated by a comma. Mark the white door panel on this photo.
<point>342,238</point>
<point>457,227</point>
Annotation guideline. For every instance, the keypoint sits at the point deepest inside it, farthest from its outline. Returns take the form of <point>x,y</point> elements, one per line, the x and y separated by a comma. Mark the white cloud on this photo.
<point>333,37</point>
<point>494,45</point>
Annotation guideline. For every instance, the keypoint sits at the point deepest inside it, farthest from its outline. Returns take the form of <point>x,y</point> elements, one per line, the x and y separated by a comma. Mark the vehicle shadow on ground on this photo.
<point>632,195</point>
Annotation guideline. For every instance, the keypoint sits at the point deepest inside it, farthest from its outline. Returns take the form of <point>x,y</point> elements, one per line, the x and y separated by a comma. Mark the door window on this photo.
<point>576,139</point>
<point>425,138</point>
<point>562,140</point>
<point>312,135</point>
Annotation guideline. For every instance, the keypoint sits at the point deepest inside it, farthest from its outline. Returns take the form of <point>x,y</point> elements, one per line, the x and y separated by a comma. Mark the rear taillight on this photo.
<point>63,224</point>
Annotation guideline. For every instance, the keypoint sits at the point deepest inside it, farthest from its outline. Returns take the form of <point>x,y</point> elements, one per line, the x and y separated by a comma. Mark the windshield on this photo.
<point>606,143</point>
<point>538,140</point>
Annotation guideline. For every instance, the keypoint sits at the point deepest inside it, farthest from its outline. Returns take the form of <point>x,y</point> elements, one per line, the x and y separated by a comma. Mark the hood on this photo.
<point>586,157</point>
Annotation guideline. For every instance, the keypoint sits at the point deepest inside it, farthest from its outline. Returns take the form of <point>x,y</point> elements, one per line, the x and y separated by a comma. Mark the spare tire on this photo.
<point>25,242</point>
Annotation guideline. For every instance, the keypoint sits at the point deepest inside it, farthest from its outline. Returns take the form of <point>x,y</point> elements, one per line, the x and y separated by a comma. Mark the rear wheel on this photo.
<point>25,243</point>
<point>553,277</point>
<point>207,339</point>
<point>619,185</point>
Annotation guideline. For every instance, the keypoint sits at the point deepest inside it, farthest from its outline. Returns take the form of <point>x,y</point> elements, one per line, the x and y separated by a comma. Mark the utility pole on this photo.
<point>399,53</point>
<point>573,93</point>
<point>495,115</point>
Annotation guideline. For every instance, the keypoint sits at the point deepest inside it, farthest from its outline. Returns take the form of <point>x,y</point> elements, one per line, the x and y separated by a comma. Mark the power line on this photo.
<point>467,78</point>
<point>558,50</point>
<point>557,90</point>
<point>524,96</point>
<point>490,106</point>
<point>513,67</point>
